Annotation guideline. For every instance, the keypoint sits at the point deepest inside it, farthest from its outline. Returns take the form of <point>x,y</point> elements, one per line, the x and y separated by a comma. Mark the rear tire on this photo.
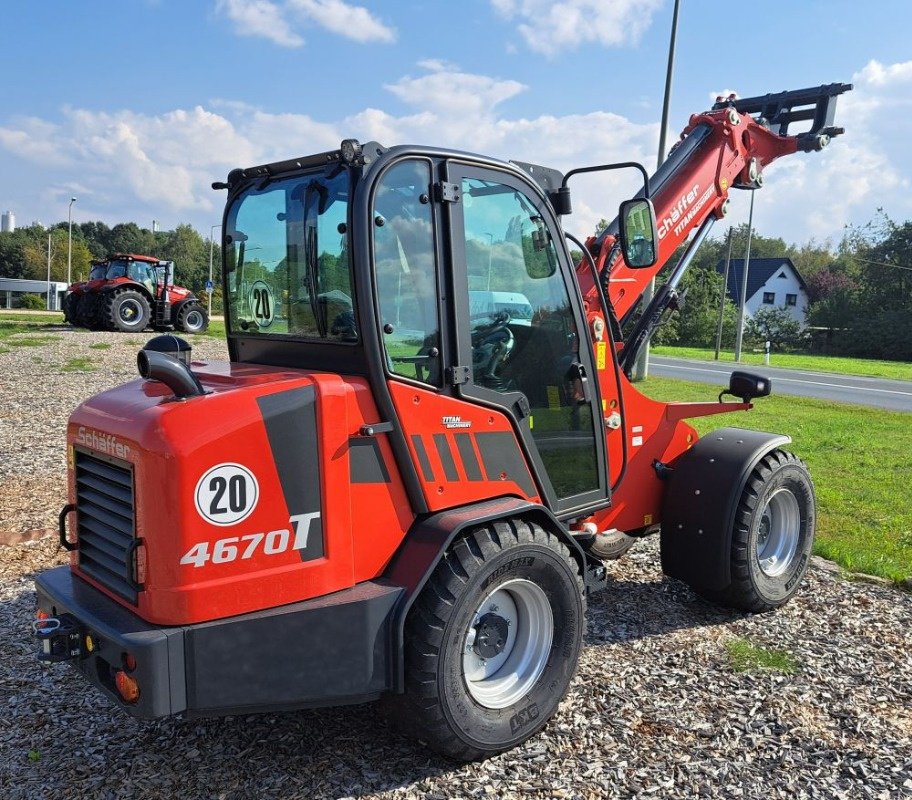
<point>773,535</point>
<point>126,311</point>
<point>492,641</point>
<point>192,318</point>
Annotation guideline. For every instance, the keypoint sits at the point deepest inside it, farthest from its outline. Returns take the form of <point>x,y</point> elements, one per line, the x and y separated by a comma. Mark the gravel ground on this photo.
<point>657,709</point>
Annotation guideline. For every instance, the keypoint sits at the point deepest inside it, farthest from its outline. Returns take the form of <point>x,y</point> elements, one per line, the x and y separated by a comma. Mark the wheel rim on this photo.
<point>501,669</point>
<point>129,312</point>
<point>194,321</point>
<point>780,528</point>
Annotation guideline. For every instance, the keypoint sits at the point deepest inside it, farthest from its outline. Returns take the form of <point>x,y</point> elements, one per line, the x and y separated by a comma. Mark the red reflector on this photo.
<point>42,614</point>
<point>139,564</point>
<point>126,686</point>
<point>129,662</point>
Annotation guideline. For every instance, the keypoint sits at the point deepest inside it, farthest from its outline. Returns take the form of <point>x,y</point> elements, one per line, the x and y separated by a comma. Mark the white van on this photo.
<point>517,305</point>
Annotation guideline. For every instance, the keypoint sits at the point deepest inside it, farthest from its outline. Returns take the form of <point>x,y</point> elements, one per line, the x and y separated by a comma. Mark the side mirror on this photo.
<point>747,386</point>
<point>638,233</point>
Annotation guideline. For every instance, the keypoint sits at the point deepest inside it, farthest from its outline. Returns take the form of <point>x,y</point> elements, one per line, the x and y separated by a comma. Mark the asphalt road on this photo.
<point>877,392</point>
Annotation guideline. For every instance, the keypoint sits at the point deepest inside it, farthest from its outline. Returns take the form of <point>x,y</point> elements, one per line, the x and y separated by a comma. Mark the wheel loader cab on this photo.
<point>382,271</point>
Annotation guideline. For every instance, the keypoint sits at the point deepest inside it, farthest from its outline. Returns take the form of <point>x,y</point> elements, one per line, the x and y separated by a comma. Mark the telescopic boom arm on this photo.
<point>724,148</point>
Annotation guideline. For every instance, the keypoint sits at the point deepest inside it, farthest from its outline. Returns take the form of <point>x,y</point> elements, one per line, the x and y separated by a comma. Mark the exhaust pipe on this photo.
<point>174,374</point>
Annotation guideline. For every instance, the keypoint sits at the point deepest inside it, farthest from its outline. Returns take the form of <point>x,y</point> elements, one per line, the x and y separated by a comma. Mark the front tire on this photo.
<point>492,641</point>
<point>127,311</point>
<point>69,309</point>
<point>192,318</point>
<point>772,537</point>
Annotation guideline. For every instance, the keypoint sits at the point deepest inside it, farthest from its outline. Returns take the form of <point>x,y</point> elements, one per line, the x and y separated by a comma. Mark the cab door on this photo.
<point>521,340</point>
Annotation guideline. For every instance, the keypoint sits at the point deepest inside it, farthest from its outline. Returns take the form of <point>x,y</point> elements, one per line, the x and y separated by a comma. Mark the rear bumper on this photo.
<point>331,650</point>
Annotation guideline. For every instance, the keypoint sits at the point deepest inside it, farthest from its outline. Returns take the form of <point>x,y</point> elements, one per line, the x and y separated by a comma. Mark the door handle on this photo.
<point>578,372</point>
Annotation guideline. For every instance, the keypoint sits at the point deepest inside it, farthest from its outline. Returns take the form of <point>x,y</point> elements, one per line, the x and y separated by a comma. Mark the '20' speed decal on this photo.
<point>226,494</point>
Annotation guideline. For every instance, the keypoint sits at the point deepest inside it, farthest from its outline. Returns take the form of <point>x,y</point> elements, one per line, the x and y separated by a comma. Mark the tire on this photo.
<point>492,641</point>
<point>192,318</point>
<point>772,537</point>
<point>93,313</point>
<point>69,309</point>
<point>82,309</point>
<point>126,311</point>
<point>610,545</point>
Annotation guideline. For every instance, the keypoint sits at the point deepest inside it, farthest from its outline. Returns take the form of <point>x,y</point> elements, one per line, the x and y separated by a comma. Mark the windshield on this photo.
<point>116,269</point>
<point>98,272</point>
<point>287,259</point>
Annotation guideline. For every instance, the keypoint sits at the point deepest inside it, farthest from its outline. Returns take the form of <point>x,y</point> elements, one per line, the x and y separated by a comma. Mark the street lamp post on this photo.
<point>490,254</point>
<point>49,274</point>
<point>641,368</point>
<point>70,242</point>
<point>211,253</point>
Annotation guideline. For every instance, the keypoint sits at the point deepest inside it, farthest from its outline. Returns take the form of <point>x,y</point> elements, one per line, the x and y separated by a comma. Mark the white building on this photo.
<point>12,288</point>
<point>8,222</point>
<point>771,283</point>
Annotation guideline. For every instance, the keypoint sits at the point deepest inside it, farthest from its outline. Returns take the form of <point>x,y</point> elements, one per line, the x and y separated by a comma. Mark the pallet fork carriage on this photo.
<point>406,482</point>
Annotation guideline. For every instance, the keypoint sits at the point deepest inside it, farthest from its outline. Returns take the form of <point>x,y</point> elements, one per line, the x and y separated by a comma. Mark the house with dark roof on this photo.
<point>771,283</point>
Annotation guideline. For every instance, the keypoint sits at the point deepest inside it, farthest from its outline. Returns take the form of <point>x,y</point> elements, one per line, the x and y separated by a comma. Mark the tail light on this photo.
<point>127,687</point>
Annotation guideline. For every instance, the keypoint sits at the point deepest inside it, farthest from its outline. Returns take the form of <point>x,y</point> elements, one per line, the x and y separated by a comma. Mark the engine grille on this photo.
<point>106,523</point>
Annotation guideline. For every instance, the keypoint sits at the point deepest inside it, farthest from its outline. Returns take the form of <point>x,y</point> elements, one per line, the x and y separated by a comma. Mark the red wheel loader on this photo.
<point>405,482</point>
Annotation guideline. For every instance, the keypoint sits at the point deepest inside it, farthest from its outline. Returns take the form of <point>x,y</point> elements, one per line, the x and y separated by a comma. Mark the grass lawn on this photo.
<point>895,370</point>
<point>12,322</point>
<point>860,459</point>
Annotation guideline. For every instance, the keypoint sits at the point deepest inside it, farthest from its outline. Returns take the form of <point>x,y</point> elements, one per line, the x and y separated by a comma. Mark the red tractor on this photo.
<point>405,482</point>
<point>129,292</point>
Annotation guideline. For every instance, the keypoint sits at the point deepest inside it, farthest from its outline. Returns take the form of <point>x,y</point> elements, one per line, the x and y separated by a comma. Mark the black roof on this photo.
<point>761,270</point>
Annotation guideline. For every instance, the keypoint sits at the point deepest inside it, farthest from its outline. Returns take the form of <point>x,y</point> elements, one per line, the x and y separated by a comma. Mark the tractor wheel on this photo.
<point>81,311</point>
<point>192,318</point>
<point>772,537</point>
<point>492,641</point>
<point>69,309</point>
<point>126,311</point>
<point>93,315</point>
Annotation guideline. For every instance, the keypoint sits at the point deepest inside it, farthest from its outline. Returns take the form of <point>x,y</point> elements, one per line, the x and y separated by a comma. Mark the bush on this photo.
<point>776,326</point>
<point>885,334</point>
<point>33,302</point>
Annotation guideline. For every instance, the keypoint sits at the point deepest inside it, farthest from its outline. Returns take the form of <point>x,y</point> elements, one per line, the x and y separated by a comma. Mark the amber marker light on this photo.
<point>127,687</point>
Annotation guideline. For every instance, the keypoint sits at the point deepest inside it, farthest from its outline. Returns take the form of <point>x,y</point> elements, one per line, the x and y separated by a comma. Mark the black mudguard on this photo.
<point>698,512</point>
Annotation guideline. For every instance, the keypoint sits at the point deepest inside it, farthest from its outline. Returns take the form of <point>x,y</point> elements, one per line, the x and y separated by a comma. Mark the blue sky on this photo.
<point>135,106</point>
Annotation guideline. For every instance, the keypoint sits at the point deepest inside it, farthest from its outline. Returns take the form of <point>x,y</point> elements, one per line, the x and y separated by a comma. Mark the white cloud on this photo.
<point>259,18</point>
<point>130,165</point>
<point>352,22</point>
<point>549,27</point>
<point>276,21</point>
<point>451,92</point>
<point>33,139</point>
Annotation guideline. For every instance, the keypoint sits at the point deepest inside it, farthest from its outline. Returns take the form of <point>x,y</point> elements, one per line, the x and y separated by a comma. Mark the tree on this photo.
<point>190,254</point>
<point>128,237</point>
<point>776,326</point>
<point>35,257</point>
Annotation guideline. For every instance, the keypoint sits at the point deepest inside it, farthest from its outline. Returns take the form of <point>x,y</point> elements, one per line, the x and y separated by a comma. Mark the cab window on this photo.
<point>288,270</point>
<point>406,274</point>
